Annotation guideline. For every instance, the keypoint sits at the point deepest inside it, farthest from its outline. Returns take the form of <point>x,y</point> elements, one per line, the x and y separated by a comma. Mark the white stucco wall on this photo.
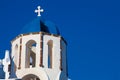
<point>44,73</point>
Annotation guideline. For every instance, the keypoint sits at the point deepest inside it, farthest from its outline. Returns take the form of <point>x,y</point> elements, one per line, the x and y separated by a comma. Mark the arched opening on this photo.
<point>30,58</point>
<point>50,53</point>
<point>30,77</point>
<point>16,58</point>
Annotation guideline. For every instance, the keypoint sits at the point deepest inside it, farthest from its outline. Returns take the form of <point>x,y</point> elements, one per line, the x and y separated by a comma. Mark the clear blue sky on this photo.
<point>91,28</point>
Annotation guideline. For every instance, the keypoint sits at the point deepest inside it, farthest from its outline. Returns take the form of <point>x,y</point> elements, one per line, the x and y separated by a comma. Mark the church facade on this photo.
<point>38,53</point>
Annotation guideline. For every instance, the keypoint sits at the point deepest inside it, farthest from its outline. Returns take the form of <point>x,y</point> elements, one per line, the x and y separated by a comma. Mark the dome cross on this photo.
<point>39,10</point>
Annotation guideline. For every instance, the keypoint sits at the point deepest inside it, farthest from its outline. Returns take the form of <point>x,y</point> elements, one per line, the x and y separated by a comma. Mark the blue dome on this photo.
<point>38,25</point>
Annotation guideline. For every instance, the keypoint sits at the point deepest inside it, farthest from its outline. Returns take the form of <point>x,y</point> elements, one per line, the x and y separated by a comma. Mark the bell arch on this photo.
<point>40,74</point>
<point>30,77</point>
<point>30,57</point>
<point>50,53</point>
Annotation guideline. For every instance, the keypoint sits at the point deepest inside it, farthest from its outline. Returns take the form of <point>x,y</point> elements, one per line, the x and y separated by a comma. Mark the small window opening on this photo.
<point>50,53</point>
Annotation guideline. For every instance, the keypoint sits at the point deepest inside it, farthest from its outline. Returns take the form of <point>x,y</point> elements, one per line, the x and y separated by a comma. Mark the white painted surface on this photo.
<point>6,63</point>
<point>44,73</point>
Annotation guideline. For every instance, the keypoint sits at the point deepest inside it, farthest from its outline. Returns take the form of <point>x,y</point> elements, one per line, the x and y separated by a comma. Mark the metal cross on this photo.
<point>39,11</point>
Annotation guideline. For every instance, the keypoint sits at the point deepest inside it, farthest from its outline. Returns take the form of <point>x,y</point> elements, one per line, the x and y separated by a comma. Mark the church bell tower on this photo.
<point>39,52</point>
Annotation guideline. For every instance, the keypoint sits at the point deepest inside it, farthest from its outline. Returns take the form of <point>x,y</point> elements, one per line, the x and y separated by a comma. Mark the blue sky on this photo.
<point>91,28</point>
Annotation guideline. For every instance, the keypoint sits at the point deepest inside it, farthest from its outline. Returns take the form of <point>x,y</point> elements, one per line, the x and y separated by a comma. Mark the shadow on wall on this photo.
<point>12,71</point>
<point>2,73</point>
